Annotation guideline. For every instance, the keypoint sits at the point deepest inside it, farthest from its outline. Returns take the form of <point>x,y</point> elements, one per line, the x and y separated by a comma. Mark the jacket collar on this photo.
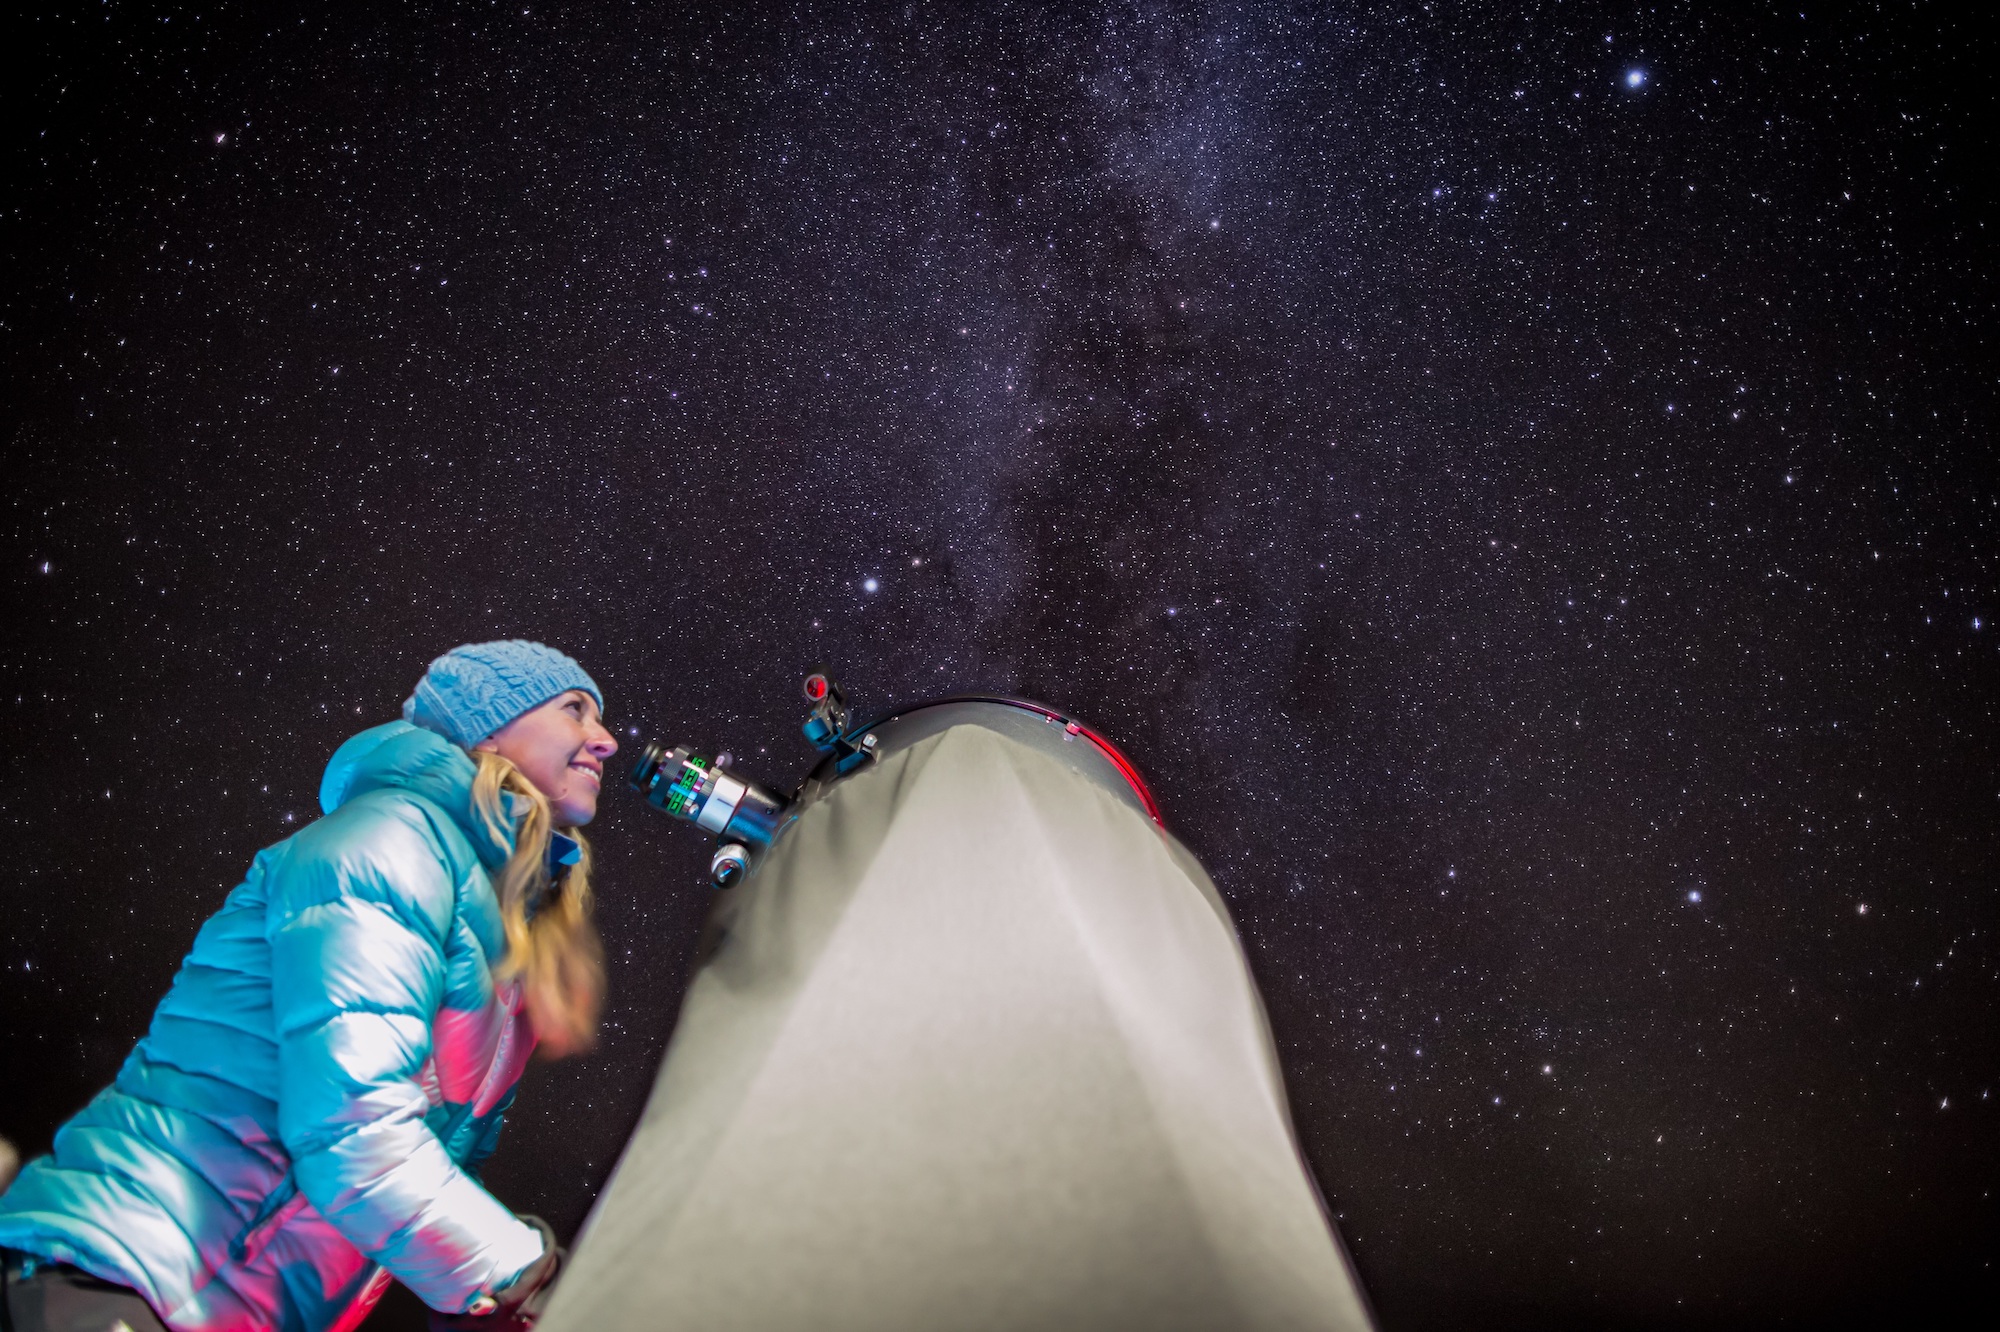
<point>399,755</point>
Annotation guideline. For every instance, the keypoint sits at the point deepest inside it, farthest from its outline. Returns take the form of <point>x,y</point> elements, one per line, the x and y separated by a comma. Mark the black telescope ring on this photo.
<point>1110,752</point>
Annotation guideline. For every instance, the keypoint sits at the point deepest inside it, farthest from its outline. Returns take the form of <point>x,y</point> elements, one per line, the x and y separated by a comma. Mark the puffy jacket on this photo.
<point>303,1118</point>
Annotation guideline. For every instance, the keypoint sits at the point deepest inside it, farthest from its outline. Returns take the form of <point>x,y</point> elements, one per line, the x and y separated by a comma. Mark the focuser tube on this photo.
<point>697,789</point>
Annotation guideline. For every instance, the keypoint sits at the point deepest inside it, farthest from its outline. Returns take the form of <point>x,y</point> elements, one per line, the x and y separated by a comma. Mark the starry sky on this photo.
<point>1519,483</point>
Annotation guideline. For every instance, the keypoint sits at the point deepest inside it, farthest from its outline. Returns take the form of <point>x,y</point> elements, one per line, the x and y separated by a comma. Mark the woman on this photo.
<point>305,1117</point>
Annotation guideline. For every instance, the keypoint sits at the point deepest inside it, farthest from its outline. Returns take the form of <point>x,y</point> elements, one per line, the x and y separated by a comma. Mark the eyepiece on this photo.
<point>647,765</point>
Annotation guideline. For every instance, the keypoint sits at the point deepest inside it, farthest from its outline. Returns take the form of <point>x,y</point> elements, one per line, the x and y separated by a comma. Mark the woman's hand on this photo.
<point>515,1306</point>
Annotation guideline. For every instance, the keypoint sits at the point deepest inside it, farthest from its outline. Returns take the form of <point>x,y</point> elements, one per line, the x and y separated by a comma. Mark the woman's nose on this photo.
<point>603,744</point>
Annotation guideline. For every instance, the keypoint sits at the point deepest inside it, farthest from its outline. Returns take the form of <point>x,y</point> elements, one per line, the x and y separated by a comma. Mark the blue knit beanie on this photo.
<point>474,690</point>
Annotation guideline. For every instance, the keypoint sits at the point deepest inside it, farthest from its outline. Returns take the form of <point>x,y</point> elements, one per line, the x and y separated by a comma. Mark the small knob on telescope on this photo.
<point>731,863</point>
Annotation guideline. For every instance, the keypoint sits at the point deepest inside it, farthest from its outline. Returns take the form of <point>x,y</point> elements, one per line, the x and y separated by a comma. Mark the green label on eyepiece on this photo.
<point>684,796</point>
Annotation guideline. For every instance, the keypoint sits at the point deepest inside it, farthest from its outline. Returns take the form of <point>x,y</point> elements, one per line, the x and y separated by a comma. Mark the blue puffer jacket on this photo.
<point>334,1057</point>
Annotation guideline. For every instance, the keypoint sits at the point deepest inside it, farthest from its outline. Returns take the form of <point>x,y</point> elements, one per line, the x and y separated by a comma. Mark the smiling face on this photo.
<point>560,747</point>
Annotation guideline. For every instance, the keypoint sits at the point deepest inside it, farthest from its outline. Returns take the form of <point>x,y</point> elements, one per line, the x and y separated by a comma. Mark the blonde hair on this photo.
<point>555,951</point>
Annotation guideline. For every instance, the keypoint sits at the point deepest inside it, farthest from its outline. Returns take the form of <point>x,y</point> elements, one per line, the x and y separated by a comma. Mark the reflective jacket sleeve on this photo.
<point>358,924</point>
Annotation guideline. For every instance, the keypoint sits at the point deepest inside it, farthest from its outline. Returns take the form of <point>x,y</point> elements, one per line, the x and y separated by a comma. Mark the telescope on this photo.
<point>971,1042</point>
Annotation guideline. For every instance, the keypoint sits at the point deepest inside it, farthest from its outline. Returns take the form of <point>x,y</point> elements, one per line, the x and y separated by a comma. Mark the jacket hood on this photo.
<point>404,757</point>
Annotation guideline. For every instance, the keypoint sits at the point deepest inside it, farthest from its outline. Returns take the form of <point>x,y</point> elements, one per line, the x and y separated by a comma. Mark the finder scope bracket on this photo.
<point>826,729</point>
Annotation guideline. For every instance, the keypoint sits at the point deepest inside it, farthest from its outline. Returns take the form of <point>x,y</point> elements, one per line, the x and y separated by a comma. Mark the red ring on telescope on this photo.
<point>1111,752</point>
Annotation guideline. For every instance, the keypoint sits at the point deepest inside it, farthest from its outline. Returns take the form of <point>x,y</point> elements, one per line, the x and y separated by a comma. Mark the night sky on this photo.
<point>1521,487</point>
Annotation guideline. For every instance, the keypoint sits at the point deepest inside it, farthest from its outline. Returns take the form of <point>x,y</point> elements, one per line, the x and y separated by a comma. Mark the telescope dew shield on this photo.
<point>691,787</point>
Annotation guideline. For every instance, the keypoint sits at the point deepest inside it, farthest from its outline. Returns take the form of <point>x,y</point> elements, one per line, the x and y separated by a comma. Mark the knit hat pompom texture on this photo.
<point>474,690</point>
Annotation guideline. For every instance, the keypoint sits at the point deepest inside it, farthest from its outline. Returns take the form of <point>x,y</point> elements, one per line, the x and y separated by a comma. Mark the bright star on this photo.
<point>1635,78</point>
<point>870,585</point>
